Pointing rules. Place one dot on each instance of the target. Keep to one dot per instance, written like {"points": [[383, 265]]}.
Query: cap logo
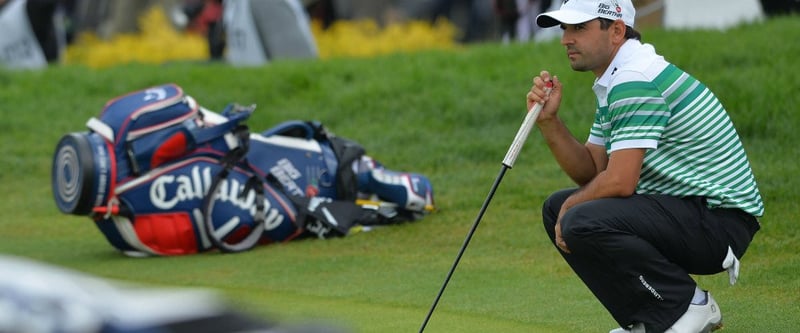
{"points": [[604, 10]]}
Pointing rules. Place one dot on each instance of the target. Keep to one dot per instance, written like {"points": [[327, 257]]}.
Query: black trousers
{"points": [[636, 253]]}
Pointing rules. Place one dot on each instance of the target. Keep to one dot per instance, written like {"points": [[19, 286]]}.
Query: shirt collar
{"points": [[623, 54]]}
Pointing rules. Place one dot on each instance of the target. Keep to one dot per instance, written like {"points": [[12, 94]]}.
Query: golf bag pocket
{"points": [[195, 205], [136, 123], [134, 134]]}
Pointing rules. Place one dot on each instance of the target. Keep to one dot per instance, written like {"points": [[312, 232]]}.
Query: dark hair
{"points": [[630, 32]]}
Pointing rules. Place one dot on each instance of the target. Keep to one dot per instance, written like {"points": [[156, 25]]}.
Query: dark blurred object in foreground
{"points": [[780, 7]]}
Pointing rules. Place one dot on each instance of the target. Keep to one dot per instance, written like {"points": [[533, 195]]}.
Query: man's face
{"points": [[588, 46]]}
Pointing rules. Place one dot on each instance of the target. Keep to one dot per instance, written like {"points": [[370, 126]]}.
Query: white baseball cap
{"points": [[579, 11]]}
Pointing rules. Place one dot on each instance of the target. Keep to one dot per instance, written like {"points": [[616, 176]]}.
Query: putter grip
{"points": [[524, 130]]}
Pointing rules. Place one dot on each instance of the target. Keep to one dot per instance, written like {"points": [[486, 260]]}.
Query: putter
{"points": [[508, 163]]}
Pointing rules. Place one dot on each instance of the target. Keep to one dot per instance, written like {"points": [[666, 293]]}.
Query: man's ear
{"points": [[618, 29]]}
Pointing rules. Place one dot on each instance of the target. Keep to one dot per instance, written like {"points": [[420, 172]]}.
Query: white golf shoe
{"points": [[699, 318], [636, 328]]}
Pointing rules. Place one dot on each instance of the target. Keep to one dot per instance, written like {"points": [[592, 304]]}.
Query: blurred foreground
{"points": [[40, 298]]}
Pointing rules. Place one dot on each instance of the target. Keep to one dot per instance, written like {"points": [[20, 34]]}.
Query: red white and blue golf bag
{"points": [[160, 175]]}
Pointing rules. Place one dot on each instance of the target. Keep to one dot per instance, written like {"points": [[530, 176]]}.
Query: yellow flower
{"points": [[158, 42], [363, 38]]}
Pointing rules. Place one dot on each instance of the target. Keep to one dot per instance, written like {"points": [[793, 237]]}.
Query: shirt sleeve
{"points": [[596, 132]]}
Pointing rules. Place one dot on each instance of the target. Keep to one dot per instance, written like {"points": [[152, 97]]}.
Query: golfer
{"points": [[665, 188]]}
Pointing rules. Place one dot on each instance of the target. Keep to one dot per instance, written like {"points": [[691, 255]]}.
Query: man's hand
{"points": [[538, 94], [560, 240]]}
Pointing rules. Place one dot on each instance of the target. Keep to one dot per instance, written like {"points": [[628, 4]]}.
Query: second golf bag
{"points": [[160, 175]]}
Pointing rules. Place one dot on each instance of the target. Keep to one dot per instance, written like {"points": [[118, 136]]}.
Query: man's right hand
{"points": [[538, 94]]}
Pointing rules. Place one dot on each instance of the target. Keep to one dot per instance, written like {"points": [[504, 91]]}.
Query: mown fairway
{"points": [[451, 116]]}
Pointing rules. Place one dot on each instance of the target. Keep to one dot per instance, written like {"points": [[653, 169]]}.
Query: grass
{"points": [[449, 115]]}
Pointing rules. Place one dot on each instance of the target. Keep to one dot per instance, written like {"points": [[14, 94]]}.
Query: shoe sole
{"points": [[711, 327]]}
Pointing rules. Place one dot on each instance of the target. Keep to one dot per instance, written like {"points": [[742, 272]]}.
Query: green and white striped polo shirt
{"points": [[692, 146]]}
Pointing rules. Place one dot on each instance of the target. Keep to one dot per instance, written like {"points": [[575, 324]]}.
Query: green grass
{"points": [[451, 116]]}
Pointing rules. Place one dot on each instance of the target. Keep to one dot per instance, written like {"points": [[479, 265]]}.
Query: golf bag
{"points": [[160, 175]]}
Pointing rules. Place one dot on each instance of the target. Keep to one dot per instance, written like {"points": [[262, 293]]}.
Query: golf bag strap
{"points": [[233, 115], [326, 217], [203, 135], [346, 151], [231, 159]]}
